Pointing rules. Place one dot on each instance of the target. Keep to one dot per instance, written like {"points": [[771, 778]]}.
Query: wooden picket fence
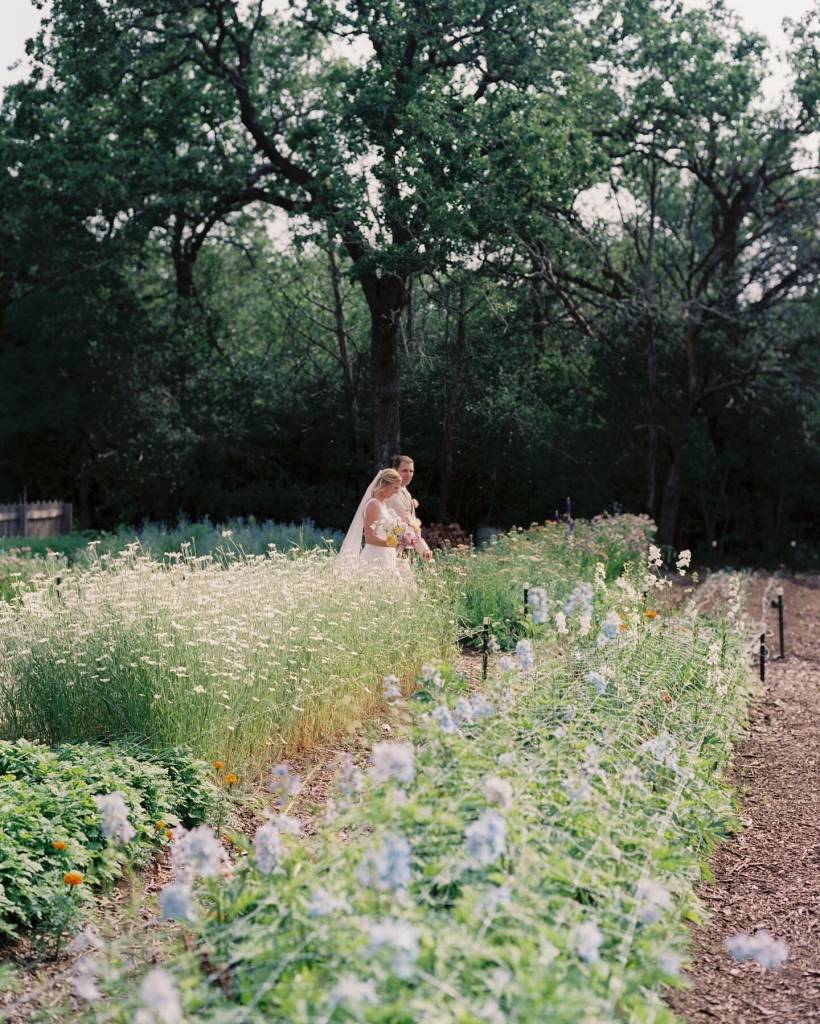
{"points": [[36, 518]]}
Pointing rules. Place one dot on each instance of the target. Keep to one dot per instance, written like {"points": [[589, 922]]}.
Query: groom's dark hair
{"points": [[397, 460]]}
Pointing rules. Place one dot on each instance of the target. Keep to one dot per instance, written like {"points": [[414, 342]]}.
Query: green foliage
{"points": [[46, 797], [594, 795], [551, 557], [165, 356]]}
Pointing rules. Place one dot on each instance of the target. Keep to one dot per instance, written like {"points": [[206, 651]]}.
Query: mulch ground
{"points": [[768, 875]]}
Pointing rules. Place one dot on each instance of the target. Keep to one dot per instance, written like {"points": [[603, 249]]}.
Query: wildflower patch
{"points": [[536, 859]]}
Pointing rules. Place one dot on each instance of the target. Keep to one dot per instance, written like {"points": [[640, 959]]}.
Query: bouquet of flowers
{"points": [[398, 534]]}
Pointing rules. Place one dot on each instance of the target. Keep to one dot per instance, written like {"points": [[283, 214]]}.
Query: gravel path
{"points": [[768, 876]]}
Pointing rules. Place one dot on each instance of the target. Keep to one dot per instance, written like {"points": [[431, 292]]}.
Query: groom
{"points": [[402, 503]]}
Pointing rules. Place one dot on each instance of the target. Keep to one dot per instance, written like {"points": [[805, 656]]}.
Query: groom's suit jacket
{"points": [[402, 504]]}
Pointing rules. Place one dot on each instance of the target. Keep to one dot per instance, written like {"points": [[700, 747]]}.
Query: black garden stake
{"points": [[762, 657], [526, 599], [778, 604], [485, 647]]}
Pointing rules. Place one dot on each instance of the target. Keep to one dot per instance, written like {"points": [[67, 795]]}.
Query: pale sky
{"points": [[19, 20]]}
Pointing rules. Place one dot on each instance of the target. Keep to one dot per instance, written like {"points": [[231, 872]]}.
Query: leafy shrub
{"points": [[549, 556], [47, 797]]}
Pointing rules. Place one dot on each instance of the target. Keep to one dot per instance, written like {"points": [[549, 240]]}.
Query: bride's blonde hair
{"points": [[385, 479]]}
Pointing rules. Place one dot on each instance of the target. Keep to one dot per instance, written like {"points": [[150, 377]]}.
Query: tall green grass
{"points": [[245, 657], [240, 659]]}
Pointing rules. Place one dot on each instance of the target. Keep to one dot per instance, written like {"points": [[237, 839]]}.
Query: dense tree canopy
{"points": [[551, 248]]}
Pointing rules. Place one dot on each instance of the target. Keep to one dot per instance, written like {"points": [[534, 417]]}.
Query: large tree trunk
{"points": [[341, 339], [648, 284], [452, 408], [672, 491], [386, 298]]}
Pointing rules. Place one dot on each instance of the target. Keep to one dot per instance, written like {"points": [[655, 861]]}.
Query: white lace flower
{"points": [[587, 941], [497, 791]]}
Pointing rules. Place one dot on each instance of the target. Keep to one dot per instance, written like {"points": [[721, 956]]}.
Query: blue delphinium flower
{"points": [[349, 780], [482, 708], [283, 784], [400, 938], [598, 681], [537, 600], [653, 899], [176, 902], [524, 655], [486, 839], [387, 867], [442, 717], [391, 688], [114, 817], [393, 761], [267, 845], [581, 597], [325, 904], [197, 852], [354, 993], [761, 947]]}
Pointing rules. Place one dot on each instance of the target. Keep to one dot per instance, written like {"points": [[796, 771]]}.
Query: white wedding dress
{"points": [[375, 560], [374, 557]]}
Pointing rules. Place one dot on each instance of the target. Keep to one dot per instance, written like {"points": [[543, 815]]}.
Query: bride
{"points": [[370, 523]]}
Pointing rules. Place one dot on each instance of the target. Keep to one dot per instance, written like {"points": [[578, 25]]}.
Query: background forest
{"points": [[247, 250]]}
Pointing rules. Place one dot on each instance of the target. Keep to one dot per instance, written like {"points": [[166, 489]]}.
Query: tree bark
{"points": [[670, 503], [648, 281], [341, 338], [452, 408], [386, 296]]}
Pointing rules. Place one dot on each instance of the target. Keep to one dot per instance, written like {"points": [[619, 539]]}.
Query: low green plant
{"points": [[549, 556], [50, 822]]}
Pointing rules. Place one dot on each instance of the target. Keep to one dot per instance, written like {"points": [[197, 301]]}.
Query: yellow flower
{"points": [[391, 541], [58, 844], [650, 613], [160, 825], [231, 779], [73, 878], [219, 765]]}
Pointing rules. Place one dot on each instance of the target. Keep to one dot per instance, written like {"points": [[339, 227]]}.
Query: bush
{"points": [[47, 798], [551, 557]]}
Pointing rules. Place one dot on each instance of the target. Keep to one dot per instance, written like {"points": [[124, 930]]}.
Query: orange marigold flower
{"points": [[73, 878], [623, 627], [58, 844], [160, 825], [650, 613], [231, 779], [219, 765], [169, 833]]}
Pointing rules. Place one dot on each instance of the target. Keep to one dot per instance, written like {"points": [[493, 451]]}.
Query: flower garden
{"points": [[521, 850]]}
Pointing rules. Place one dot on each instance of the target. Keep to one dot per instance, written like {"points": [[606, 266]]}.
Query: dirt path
{"points": [[768, 876]]}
